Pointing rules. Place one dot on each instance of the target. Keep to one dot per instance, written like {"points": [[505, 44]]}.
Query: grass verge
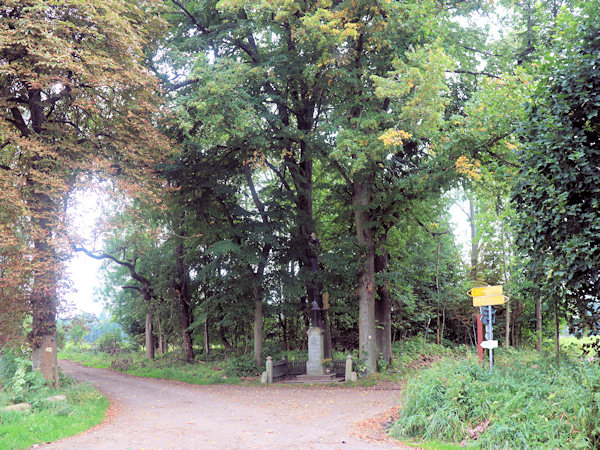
{"points": [[527, 402], [86, 357], [84, 408], [195, 374]]}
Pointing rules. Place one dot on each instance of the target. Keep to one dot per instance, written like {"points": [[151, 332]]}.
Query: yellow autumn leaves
{"points": [[469, 167], [392, 137]]}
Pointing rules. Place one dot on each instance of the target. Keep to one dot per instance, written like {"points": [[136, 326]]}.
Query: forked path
{"points": [[161, 414]]}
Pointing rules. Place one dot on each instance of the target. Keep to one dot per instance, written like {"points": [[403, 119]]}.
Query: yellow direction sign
{"points": [[487, 295], [486, 300], [485, 290]]}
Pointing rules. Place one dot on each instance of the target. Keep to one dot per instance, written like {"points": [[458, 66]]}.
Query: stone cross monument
{"points": [[314, 365]]}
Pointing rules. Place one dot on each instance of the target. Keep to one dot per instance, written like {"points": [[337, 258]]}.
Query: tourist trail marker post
{"points": [[486, 297]]}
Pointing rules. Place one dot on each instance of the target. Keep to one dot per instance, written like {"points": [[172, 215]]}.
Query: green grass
{"points": [[169, 366], [85, 356], [573, 345], [434, 445], [195, 374], [48, 422], [531, 402]]}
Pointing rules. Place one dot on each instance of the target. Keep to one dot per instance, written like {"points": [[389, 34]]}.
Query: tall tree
{"points": [[556, 196], [75, 99]]}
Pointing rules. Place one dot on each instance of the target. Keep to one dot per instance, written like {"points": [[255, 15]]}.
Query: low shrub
{"points": [[20, 382], [528, 401], [241, 366], [109, 342]]}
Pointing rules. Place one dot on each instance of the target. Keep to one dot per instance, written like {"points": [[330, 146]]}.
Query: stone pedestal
{"points": [[314, 365], [348, 372], [269, 367]]}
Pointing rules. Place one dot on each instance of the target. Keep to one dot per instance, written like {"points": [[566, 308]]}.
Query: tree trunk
{"points": [[383, 308], [224, 340], [160, 339], [206, 337], [517, 310], [507, 304], [538, 323], [437, 290], [258, 276], [149, 338], [184, 323], [366, 280], [44, 298], [258, 325], [44, 359], [474, 240], [183, 300], [556, 334], [163, 345]]}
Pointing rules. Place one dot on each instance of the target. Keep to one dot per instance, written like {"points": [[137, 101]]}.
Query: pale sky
{"points": [[84, 210], [84, 275]]}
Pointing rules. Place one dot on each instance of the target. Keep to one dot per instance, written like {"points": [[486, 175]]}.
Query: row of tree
{"points": [[301, 153]]}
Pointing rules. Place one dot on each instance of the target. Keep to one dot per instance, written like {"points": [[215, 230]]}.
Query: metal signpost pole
{"points": [[490, 336], [487, 297]]}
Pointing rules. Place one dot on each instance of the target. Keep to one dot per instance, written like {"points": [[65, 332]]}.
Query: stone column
{"points": [[314, 365], [269, 367], [348, 373]]}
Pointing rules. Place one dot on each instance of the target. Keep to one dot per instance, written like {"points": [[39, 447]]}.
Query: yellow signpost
{"points": [[485, 291], [487, 300], [487, 295]]}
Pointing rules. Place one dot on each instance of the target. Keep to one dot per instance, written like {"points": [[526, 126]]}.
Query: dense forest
{"points": [[256, 157]]}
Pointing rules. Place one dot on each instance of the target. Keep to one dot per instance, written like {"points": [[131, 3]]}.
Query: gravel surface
{"points": [[161, 414]]}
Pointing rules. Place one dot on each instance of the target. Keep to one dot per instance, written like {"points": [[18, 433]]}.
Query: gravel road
{"points": [[162, 414]]}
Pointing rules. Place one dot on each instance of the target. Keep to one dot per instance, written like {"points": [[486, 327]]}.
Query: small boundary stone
{"points": [[17, 407]]}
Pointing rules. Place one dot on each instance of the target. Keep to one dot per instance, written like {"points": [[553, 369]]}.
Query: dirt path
{"points": [[161, 414]]}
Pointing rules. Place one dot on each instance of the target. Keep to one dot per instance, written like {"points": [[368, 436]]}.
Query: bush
{"points": [[528, 401], [21, 383], [109, 342], [241, 366]]}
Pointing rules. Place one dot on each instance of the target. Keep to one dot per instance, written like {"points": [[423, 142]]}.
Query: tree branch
{"points": [[19, 122], [483, 52], [190, 16], [487, 148], [174, 87], [259, 205], [279, 175], [433, 233], [131, 266], [487, 74], [135, 288]]}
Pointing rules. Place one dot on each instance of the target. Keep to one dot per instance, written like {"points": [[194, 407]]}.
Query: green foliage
{"points": [[86, 356], [109, 342], [528, 400], [239, 366], [588, 347], [172, 367], [84, 408], [20, 383], [557, 193]]}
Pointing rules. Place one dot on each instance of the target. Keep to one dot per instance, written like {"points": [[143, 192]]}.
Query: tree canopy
{"points": [[267, 158]]}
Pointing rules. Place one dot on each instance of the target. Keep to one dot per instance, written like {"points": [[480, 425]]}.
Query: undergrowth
{"points": [[86, 356], [47, 420], [529, 400], [171, 367]]}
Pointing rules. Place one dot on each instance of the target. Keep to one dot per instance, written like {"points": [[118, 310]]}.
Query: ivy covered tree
{"points": [[559, 183]]}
